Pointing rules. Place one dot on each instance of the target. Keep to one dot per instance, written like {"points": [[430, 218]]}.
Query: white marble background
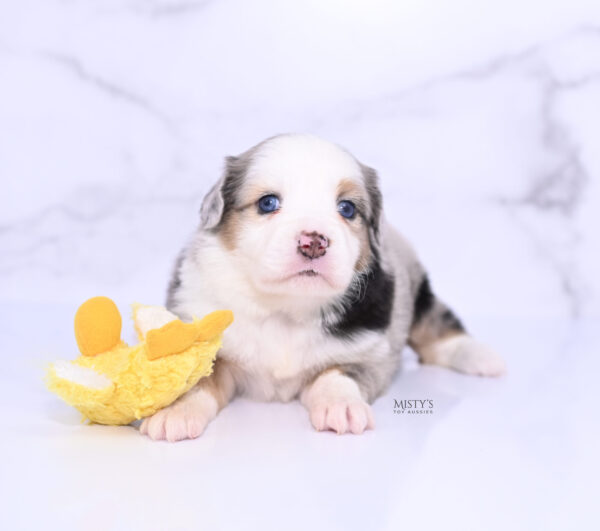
{"points": [[483, 119]]}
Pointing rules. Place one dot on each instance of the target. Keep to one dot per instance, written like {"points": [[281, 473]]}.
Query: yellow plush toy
{"points": [[113, 383]]}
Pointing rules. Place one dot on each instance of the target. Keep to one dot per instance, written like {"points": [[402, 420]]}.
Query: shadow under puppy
{"points": [[324, 292]]}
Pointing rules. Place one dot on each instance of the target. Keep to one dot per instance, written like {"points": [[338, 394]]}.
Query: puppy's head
{"points": [[299, 215]]}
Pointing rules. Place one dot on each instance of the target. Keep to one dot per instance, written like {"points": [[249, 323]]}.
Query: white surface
{"points": [[515, 453], [482, 119]]}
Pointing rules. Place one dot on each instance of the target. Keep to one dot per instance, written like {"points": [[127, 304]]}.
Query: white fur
{"points": [[185, 419], [334, 402], [277, 332], [465, 354], [277, 348], [273, 345], [305, 172]]}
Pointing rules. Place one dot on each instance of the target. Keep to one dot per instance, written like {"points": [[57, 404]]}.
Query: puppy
{"points": [[324, 292]]}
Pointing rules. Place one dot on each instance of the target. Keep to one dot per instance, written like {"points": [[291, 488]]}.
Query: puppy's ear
{"points": [[221, 198], [375, 205], [212, 207]]}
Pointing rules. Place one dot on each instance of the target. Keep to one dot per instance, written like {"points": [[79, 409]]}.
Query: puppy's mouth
{"points": [[308, 273]]}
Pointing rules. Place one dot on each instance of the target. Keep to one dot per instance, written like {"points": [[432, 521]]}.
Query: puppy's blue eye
{"points": [[268, 203], [347, 209]]}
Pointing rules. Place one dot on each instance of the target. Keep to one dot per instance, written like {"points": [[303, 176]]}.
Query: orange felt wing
{"points": [[214, 324], [177, 336]]}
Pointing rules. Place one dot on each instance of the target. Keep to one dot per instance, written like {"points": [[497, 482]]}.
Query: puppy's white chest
{"points": [[273, 346]]}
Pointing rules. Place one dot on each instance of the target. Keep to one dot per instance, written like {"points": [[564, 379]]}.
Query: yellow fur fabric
{"points": [[135, 381], [140, 386]]}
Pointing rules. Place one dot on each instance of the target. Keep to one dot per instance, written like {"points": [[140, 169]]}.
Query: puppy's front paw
{"points": [[182, 420], [334, 402], [342, 416]]}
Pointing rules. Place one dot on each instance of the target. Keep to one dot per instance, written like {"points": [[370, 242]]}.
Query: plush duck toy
{"points": [[113, 383]]}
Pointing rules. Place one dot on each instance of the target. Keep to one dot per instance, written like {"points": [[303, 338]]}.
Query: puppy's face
{"points": [[298, 214]]}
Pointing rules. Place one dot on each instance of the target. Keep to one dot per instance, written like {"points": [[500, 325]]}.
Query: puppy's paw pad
{"points": [[342, 416]]}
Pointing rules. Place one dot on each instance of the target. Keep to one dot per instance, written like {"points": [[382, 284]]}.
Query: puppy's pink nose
{"points": [[312, 244]]}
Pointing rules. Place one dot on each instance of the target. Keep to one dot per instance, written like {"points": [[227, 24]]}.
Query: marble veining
{"points": [[482, 119]]}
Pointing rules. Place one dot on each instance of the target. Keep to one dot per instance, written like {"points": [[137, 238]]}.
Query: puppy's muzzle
{"points": [[312, 244]]}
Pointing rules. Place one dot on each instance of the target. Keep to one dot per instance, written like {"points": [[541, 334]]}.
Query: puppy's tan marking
{"points": [[233, 220], [353, 191], [230, 229], [425, 337], [349, 189], [221, 383]]}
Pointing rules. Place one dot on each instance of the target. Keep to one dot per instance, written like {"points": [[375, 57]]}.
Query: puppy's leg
{"points": [[439, 338], [335, 402], [189, 415]]}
